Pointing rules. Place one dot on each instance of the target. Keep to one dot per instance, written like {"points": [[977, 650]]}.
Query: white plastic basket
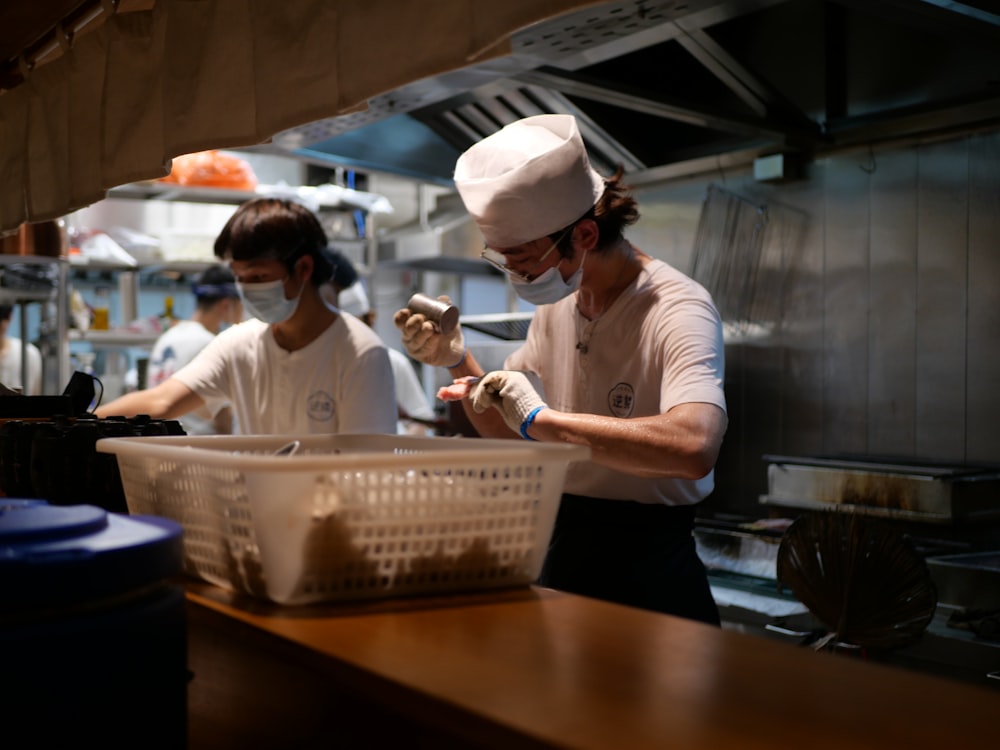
{"points": [[350, 516]]}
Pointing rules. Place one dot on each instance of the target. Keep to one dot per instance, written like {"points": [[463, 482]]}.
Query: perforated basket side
{"points": [[210, 503], [404, 531]]}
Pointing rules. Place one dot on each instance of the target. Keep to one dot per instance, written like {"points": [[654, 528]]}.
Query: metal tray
{"points": [[970, 580], [912, 491]]}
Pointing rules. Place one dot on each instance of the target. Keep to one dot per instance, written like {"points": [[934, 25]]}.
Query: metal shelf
{"points": [[165, 191], [326, 197], [16, 296], [152, 266], [24, 297], [114, 339]]}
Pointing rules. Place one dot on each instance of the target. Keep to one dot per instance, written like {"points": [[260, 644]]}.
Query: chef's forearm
{"points": [[683, 443]]}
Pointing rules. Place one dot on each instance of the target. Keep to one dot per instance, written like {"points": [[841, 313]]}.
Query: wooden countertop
{"points": [[538, 668]]}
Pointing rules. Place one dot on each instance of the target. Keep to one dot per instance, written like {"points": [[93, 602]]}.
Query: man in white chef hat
{"points": [[624, 354]]}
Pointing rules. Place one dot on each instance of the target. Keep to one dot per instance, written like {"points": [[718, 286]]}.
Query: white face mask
{"points": [[266, 301], [549, 287]]}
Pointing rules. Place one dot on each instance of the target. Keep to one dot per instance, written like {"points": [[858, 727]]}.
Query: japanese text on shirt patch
{"points": [[621, 399], [320, 406]]}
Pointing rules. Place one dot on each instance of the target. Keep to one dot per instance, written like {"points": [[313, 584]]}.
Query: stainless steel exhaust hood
{"points": [[659, 85]]}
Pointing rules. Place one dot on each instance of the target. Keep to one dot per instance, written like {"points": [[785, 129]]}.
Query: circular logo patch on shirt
{"points": [[320, 406], [621, 399]]}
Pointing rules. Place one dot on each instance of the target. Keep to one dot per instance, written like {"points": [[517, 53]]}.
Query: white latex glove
{"points": [[425, 342], [515, 394]]}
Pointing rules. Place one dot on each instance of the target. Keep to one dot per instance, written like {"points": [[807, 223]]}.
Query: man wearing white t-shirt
{"points": [[11, 361], [299, 367], [217, 304], [624, 355]]}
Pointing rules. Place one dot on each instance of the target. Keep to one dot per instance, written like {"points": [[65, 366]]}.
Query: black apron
{"points": [[637, 554]]}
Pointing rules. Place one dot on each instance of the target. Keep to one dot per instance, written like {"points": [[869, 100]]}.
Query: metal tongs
{"points": [[288, 449]]}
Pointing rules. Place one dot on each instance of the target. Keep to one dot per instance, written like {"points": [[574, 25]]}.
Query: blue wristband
{"points": [[529, 419], [465, 353]]}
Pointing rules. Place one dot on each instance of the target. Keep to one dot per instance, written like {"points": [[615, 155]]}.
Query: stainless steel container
{"points": [[443, 315]]}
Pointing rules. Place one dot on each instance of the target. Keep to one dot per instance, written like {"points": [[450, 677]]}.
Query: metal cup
{"points": [[442, 314]]}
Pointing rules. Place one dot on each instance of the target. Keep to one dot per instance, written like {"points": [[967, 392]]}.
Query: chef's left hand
{"points": [[517, 395]]}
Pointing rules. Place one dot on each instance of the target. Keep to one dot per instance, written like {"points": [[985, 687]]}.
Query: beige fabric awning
{"points": [[115, 104]]}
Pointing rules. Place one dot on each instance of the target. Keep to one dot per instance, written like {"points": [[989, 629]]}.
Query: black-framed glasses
{"points": [[499, 261]]}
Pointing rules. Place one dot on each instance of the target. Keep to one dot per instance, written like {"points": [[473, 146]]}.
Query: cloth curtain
{"points": [[133, 133], [86, 114], [48, 142], [13, 157], [208, 94], [190, 75]]}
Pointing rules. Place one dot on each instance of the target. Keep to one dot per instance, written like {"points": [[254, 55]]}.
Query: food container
{"points": [[444, 316], [93, 631], [350, 516]]}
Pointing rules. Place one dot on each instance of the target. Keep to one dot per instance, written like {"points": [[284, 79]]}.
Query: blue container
{"points": [[92, 632]]}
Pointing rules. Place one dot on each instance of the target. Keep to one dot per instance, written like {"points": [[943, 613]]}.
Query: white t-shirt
{"points": [[409, 394], [339, 383], [177, 346], [658, 345], [10, 366]]}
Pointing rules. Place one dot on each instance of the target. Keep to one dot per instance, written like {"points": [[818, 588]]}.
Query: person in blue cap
{"points": [[217, 305]]}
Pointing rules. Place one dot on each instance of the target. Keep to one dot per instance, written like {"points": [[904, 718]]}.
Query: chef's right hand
{"points": [[425, 342]]}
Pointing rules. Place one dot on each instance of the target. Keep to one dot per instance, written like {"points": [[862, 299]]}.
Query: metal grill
{"points": [[727, 257], [508, 327]]}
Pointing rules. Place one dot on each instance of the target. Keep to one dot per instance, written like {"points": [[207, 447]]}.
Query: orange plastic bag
{"points": [[212, 169]]}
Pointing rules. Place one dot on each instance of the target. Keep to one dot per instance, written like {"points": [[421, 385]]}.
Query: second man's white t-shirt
{"points": [[339, 383]]}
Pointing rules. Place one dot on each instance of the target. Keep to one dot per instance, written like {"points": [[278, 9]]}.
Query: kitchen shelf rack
{"points": [[324, 196], [21, 294], [114, 339]]}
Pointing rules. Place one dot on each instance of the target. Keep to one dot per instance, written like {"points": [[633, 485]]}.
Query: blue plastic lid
{"points": [[42, 522], [64, 555], [17, 503]]}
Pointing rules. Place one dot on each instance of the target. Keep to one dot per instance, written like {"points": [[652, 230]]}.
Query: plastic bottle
{"points": [[102, 304], [167, 318]]}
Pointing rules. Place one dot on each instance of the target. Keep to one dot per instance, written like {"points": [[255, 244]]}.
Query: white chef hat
{"points": [[528, 180], [354, 300]]}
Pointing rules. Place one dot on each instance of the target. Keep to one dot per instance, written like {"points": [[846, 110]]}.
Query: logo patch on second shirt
{"points": [[320, 406]]}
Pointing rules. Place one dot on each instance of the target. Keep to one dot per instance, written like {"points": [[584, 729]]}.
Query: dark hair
{"points": [[614, 210], [344, 272], [214, 284], [276, 229], [6, 311]]}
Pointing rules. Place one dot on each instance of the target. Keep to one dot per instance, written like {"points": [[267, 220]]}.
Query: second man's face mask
{"points": [[266, 301]]}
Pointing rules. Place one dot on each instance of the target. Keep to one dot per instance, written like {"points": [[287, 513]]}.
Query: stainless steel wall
{"points": [[883, 270]]}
